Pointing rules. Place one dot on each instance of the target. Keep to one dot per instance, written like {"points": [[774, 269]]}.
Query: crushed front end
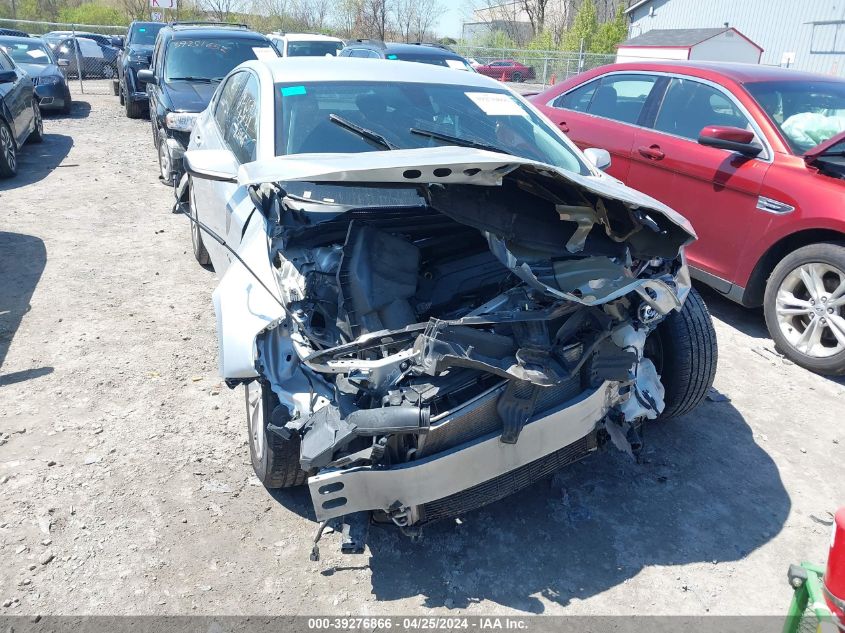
{"points": [[440, 356]]}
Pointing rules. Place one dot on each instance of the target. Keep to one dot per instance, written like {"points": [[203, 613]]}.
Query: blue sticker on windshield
{"points": [[292, 91], [392, 57], [143, 30]]}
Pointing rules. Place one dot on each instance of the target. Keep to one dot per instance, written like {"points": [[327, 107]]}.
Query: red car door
{"points": [[717, 190], [604, 113]]}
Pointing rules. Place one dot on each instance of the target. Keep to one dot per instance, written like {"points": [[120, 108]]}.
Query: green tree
{"points": [[542, 42], [496, 39], [585, 27], [611, 33], [92, 13]]}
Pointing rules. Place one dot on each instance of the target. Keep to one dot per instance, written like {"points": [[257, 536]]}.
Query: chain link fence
{"points": [[549, 66], [86, 53]]}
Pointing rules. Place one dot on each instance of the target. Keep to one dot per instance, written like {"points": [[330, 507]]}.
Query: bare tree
{"points": [[349, 17], [375, 18], [311, 15], [221, 9]]}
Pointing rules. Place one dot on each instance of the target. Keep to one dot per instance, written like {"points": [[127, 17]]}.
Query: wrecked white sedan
{"points": [[431, 297]]}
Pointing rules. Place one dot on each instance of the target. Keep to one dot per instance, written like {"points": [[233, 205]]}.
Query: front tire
{"points": [[8, 152], [804, 307], [275, 460], [683, 348], [200, 252], [165, 164], [134, 109], [37, 134]]}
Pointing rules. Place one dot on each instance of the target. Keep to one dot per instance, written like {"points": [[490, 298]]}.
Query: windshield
{"points": [[413, 115], [144, 34], [313, 48], [807, 113], [211, 59], [34, 52]]}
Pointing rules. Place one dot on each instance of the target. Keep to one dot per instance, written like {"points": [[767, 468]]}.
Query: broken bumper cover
{"points": [[404, 487]]}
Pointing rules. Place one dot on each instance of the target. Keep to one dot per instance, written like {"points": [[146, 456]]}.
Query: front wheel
{"points": [[8, 152], [804, 307], [37, 134], [275, 460], [200, 252], [683, 349]]}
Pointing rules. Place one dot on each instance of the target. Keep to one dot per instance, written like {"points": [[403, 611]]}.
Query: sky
{"points": [[451, 21]]}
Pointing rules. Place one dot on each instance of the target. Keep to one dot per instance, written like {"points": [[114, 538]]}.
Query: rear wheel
{"points": [[8, 152], [275, 460], [115, 87], [683, 349], [516, 77], [804, 306]]}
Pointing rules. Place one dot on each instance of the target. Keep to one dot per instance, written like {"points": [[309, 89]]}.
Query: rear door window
{"points": [[617, 97]]}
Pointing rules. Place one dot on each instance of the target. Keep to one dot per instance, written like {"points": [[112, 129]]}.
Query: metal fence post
{"points": [[78, 61], [545, 70]]}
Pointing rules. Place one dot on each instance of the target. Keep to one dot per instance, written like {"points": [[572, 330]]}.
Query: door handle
{"points": [[652, 152], [563, 126]]}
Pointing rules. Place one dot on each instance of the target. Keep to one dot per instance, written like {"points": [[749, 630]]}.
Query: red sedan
{"points": [[506, 70], [754, 157]]}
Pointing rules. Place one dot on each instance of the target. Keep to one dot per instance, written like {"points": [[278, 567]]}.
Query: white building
{"points": [[719, 45]]}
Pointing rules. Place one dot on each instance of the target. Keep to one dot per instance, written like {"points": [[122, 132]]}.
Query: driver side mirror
{"points": [[731, 138], [146, 76], [211, 164], [117, 41], [8, 76], [598, 157], [63, 62]]}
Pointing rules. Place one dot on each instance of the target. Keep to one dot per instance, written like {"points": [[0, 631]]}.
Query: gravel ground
{"points": [[125, 483]]}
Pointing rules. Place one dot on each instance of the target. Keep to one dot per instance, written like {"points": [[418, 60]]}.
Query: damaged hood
{"points": [[447, 166]]}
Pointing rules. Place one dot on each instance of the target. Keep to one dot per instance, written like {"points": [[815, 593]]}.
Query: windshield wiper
{"points": [[457, 140], [199, 79], [368, 135]]}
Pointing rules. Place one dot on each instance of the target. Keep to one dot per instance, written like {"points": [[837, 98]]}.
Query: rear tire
{"points": [[516, 77], [683, 348], [115, 87], [275, 460], [790, 307]]}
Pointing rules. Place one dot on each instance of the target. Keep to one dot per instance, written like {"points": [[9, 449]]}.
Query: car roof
{"points": [[320, 69], [212, 32], [416, 49], [740, 73], [16, 39], [306, 37]]}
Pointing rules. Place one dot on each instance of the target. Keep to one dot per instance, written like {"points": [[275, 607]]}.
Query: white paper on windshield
{"points": [[495, 104], [36, 53], [264, 53], [89, 48], [456, 63]]}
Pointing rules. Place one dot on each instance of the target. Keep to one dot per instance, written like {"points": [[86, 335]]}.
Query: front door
{"points": [[715, 189]]}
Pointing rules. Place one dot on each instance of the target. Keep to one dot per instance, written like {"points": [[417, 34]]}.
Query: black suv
{"points": [[189, 60], [425, 53], [137, 53]]}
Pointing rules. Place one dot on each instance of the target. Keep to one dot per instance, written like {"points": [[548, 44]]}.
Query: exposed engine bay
{"points": [[437, 357]]}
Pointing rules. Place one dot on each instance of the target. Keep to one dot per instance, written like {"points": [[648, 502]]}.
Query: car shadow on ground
{"points": [[78, 110], [37, 160], [22, 260], [705, 492]]}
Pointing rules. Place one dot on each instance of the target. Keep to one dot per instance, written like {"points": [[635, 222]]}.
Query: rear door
{"points": [[605, 113], [716, 189]]}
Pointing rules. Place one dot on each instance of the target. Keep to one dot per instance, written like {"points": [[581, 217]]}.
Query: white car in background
{"points": [[306, 44], [431, 297]]}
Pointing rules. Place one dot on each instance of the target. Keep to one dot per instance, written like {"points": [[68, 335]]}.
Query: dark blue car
{"points": [[20, 116], [35, 57]]}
